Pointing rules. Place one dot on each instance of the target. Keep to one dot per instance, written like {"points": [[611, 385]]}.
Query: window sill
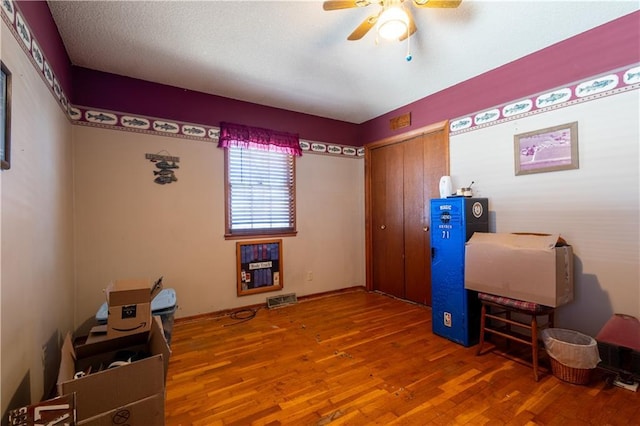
{"points": [[259, 234]]}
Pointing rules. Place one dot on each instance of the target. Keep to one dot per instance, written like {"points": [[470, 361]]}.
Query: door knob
{"points": [[425, 229], [383, 227]]}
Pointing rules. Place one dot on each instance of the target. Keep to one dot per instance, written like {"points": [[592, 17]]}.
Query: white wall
{"points": [[127, 226], [595, 208], [36, 223]]}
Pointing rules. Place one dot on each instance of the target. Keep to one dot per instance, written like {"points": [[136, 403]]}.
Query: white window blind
{"points": [[261, 191]]}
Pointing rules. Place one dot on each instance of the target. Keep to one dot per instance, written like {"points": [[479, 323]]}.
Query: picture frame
{"points": [[259, 266], [546, 150], [5, 117]]}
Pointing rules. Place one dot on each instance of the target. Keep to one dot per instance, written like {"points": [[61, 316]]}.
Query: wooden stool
{"points": [[504, 308]]}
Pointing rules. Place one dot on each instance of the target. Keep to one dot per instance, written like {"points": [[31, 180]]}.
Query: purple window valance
{"points": [[258, 138]]}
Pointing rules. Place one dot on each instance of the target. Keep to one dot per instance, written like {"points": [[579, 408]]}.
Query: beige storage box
{"points": [[533, 268]]}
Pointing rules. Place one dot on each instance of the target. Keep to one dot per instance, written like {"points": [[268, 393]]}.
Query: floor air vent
{"points": [[282, 300]]}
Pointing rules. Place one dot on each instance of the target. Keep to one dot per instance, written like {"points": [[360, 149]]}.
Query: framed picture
{"points": [[5, 118], [259, 266], [547, 150]]}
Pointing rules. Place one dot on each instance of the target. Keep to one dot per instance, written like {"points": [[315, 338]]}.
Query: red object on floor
{"points": [[621, 330]]}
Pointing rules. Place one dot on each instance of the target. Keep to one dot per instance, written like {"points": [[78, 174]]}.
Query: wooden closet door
{"points": [[387, 220], [425, 183], [416, 232], [402, 175]]}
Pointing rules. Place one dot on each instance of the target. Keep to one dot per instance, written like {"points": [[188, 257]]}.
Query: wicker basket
{"points": [[577, 376]]}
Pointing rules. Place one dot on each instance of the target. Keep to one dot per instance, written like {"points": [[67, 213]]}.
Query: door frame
{"points": [[442, 126]]}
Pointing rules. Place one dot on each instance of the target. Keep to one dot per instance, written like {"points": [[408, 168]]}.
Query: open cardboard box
{"points": [[533, 268], [129, 305], [133, 392], [144, 412], [57, 411]]}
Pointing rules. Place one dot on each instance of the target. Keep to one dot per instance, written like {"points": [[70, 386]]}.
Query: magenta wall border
{"points": [[113, 120], [607, 84], [118, 93], [56, 77], [44, 30], [618, 81], [608, 47], [612, 46]]}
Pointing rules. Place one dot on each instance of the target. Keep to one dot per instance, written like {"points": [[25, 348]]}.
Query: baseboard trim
{"points": [[227, 312]]}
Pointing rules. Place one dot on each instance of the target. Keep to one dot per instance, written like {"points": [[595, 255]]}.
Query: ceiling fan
{"points": [[394, 20]]}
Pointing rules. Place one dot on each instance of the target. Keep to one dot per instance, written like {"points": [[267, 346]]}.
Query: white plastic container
{"points": [[445, 186]]}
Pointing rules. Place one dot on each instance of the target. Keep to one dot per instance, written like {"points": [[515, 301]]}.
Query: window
{"points": [[259, 188], [260, 192]]}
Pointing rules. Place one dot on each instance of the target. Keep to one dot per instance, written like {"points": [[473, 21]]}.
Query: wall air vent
{"points": [[281, 300]]}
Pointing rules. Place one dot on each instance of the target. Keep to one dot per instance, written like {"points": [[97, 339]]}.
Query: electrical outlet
{"points": [[309, 276], [447, 319]]}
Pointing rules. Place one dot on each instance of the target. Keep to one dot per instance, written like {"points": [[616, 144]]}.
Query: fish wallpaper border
{"points": [[595, 87], [607, 84]]}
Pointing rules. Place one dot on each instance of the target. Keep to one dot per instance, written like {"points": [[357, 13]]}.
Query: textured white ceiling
{"points": [[294, 55]]}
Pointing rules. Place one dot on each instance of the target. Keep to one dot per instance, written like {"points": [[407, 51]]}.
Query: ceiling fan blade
{"points": [[363, 28], [345, 4], [412, 28], [437, 3]]}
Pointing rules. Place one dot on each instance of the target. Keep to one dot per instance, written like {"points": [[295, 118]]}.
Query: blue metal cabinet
{"points": [[455, 310]]}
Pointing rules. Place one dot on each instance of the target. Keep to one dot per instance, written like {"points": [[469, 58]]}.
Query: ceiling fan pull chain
{"points": [[408, 57]]}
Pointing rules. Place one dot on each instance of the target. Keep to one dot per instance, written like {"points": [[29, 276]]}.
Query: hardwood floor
{"points": [[363, 358]]}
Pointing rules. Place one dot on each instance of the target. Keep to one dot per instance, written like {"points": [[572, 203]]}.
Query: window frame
{"points": [[5, 116], [257, 232]]}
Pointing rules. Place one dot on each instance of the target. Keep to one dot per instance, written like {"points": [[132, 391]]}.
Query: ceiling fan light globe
{"points": [[393, 23]]}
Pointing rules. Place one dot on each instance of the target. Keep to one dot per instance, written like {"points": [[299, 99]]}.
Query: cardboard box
{"points": [[524, 267], [144, 412], [56, 411], [129, 306], [137, 387]]}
